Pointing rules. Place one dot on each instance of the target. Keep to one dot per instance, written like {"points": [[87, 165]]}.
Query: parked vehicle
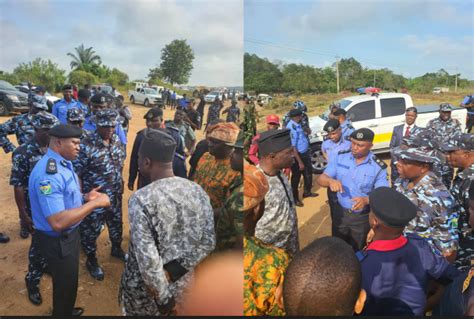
{"points": [[107, 89], [264, 99], [51, 98], [146, 96], [439, 90], [209, 98], [379, 112], [11, 99]]}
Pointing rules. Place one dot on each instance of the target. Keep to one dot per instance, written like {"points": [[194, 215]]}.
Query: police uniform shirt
{"points": [[347, 129], [53, 187], [357, 180], [83, 107], [395, 275], [332, 149], [298, 137], [60, 109]]}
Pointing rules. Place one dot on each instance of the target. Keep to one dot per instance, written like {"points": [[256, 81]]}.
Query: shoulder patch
{"points": [[344, 151], [45, 187], [379, 162], [51, 166]]}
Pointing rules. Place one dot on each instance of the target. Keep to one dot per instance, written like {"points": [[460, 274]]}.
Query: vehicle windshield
{"points": [[214, 93], [106, 89], [7, 86], [343, 103], [150, 91]]}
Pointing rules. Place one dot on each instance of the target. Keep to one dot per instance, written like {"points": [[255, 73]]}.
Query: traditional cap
{"points": [[65, 131], [106, 117], [295, 112], [381, 202], [273, 141], [75, 115], [417, 155], [339, 111], [44, 119], [99, 98], [459, 142], [83, 94], [445, 107], [67, 87], [153, 113], [331, 125], [158, 145], [239, 143], [226, 132], [272, 119], [363, 134], [255, 187]]}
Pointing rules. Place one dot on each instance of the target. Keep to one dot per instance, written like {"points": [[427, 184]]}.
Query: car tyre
{"points": [[132, 100], [146, 102], [318, 162], [3, 109]]}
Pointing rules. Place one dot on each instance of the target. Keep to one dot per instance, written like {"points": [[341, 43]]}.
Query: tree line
{"points": [[263, 76]]}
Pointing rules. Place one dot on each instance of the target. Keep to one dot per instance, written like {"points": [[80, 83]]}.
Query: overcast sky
{"points": [[128, 35], [410, 37]]}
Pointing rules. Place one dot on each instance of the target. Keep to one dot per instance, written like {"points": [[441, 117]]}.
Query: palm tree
{"points": [[86, 59]]}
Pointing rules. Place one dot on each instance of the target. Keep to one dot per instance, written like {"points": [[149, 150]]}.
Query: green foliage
{"points": [[177, 62], [117, 78], [87, 60], [9, 77], [81, 78], [261, 75], [155, 74], [41, 72]]}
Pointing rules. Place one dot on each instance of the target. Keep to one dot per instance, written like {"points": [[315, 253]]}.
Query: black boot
{"points": [[93, 267], [78, 311], [118, 252], [34, 294], [4, 238]]}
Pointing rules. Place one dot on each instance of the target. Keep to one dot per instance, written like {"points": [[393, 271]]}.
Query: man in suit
{"points": [[399, 132]]}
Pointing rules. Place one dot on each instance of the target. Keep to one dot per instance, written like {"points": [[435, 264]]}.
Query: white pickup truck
{"points": [[144, 95], [381, 113]]}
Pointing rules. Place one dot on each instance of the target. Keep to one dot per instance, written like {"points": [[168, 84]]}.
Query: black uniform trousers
{"points": [[62, 256], [307, 174], [350, 227]]}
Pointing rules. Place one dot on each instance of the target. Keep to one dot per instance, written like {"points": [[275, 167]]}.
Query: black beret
{"points": [[65, 131], [363, 134], [273, 141], [339, 111], [99, 98], [295, 112], [331, 125], [158, 145], [153, 113], [397, 215], [67, 87]]}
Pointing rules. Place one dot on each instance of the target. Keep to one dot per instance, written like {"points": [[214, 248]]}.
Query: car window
{"points": [[392, 107], [362, 111], [7, 86]]}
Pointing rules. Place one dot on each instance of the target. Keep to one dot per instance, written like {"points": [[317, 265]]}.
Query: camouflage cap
{"points": [[459, 142], [44, 119], [75, 115], [106, 117], [99, 98], [39, 102], [445, 107], [255, 186], [417, 155]]}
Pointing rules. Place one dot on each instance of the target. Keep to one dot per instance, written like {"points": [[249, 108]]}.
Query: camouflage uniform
{"points": [[443, 132], [230, 222], [185, 131], [99, 164], [279, 223], [249, 126], [170, 219], [233, 114], [19, 125], [438, 212], [213, 113], [460, 192]]}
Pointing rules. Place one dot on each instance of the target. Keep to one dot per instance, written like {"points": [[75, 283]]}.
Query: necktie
{"points": [[407, 132]]}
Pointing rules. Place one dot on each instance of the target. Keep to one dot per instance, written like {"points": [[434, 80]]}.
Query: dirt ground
{"points": [[99, 298]]}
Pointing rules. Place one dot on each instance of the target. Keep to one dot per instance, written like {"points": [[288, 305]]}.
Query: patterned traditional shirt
{"points": [[170, 219], [437, 215], [216, 177], [279, 224], [264, 271]]}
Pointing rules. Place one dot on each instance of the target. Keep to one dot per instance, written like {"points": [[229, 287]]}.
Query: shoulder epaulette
{"points": [[344, 151], [51, 166], [379, 162]]}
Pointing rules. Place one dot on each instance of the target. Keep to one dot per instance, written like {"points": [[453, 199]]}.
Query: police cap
{"points": [[99, 98], [445, 107], [363, 134], [67, 87], [75, 115], [459, 142], [274, 141], [153, 113], [418, 155], [391, 207], [295, 112], [331, 125], [44, 119], [65, 131], [158, 145], [339, 111]]}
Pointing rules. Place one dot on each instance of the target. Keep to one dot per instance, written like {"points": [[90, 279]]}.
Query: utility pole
{"points": [[456, 81], [337, 73], [374, 77]]}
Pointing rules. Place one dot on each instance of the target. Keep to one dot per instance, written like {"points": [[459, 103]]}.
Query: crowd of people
{"points": [[401, 244]]}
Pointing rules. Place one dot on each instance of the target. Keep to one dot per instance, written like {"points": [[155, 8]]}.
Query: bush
{"points": [[81, 78]]}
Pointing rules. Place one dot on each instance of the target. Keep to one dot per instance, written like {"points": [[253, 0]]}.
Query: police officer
{"points": [[60, 107], [460, 155], [346, 124], [24, 159], [83, 99], [21, 125], [41, 91], [445, 128], [353, 175], [76, 117], [57, 209], [100, 163], [302, 155]]}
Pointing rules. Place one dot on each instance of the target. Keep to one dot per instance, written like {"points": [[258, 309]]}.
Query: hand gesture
{"points": [[92, 194], [360, 202], [335, 186]]}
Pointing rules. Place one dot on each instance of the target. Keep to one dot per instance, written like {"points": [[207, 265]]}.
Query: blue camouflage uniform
{"points": [[99, 164], [90, 126], [233, 113], [60, 109], [357, 180]]}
